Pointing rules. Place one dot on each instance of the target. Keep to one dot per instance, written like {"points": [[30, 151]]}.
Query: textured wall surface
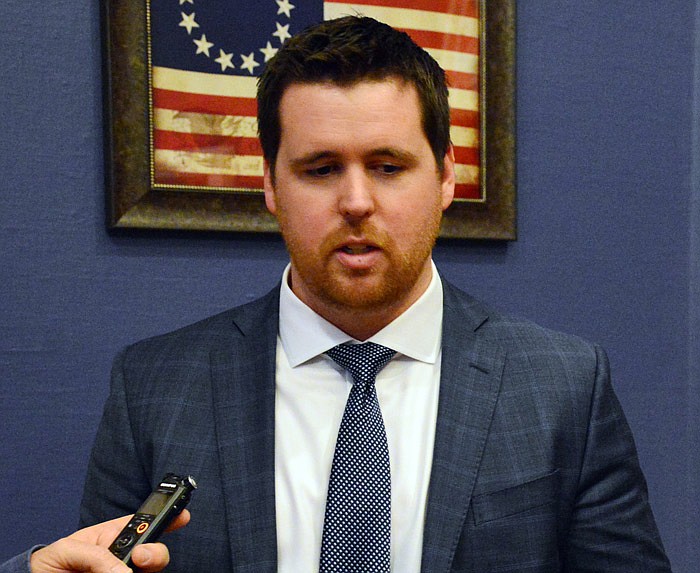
{"points": [[608, 248]]}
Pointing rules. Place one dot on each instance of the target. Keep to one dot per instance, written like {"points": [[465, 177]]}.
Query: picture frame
{"points": [[135, 199]]}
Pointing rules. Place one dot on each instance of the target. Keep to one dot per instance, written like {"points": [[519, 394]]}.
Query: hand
{"points": [[86, 551]]}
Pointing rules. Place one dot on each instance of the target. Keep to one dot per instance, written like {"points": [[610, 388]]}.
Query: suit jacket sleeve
{"points": [[612, 527], [18, 564]]}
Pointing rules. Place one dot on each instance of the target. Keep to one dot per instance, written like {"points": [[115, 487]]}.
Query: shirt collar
{"points": [[304, 334]]}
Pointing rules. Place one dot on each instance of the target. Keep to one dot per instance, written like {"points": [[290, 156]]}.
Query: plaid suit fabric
{"points": [[534, 466]]}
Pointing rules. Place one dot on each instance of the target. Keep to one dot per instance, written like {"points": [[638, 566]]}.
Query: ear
{"points": [[269, 188], [448, 178]]}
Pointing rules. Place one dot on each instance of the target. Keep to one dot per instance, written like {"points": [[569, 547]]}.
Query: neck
{"points": [[363, 319], [360, 324]]}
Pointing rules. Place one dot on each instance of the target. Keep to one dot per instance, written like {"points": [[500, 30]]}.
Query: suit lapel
{"points": [[469, 386], [243, 380]]}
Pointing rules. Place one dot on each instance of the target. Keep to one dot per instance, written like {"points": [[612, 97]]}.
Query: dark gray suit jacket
{"points": [[534, 467]]}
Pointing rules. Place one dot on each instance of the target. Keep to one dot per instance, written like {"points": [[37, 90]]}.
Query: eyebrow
{"points": [[399, 154], [313, 157]]}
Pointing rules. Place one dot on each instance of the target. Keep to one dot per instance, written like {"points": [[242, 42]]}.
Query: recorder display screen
{"points": [[155, 502]]}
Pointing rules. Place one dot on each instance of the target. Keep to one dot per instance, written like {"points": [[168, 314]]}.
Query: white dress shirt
{"points": [[310, 399]]}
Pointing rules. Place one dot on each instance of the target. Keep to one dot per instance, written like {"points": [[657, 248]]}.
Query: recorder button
{"points": [[124, 541], [141, 528]]}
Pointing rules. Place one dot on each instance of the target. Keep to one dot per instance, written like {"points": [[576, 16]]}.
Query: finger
{"points": [[150, 557], [180, 521], [102, 533], [68, 555]]}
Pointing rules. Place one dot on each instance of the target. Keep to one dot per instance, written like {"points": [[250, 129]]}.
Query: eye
{"points": [[321, 171], [388, 168]]}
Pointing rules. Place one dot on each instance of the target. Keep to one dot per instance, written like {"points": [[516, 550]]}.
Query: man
{"points": [[86, 551], [507, 449]]}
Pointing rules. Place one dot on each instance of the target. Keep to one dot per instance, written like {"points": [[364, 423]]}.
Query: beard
{"points": [[389, 285]]}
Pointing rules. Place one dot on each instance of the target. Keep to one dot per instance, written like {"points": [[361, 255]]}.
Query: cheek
{"points": [[413, 214], [302, 228]]}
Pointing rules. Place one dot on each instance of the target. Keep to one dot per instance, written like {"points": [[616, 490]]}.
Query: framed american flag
{"points": [[180, 129]]}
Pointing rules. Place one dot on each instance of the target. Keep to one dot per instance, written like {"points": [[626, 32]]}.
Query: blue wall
{"points": [[609, 241]]}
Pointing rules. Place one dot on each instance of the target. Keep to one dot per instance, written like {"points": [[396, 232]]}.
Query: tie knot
{"points": [[363, 361]]}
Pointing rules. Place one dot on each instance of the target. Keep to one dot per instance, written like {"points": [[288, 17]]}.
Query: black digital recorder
{"points": [[155, 514]]}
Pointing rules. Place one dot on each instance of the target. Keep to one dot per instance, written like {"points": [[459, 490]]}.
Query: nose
{"points": [[356, 198]]}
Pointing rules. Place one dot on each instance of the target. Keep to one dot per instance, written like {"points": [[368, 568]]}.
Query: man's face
{"points": [[358, 195]]}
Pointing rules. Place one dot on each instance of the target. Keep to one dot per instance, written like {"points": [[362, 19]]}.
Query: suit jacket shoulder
{"points": [[514, 333], [536, 359], [260, 315]]}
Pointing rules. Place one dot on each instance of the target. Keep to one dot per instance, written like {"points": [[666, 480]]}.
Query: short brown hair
{"points": [[345, 51]]}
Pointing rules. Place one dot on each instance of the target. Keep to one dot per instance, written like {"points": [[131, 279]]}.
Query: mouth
{"points": [[357, 249], [358, 255]]}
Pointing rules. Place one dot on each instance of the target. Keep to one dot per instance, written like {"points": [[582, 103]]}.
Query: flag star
{"points": [[183, 1], [203, 45], [268, 51], [282, 32], [224, 60], [188, 22], [249, 62], [285, 8]]}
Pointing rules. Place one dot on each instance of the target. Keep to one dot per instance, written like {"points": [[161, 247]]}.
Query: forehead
{"points": [[368, 109]]}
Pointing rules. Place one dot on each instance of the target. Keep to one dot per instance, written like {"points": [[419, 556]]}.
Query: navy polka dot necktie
{"points": [[357, 524]]}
